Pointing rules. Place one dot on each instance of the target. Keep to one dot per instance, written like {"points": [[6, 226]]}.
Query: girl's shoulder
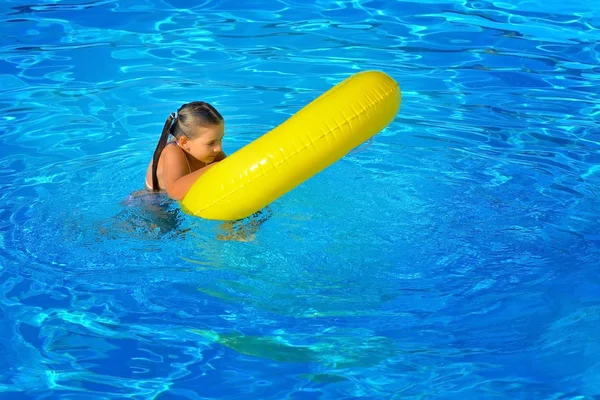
{"points": [[174, 158], [172, 148]]}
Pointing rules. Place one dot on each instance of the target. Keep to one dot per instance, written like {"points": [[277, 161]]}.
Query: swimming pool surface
{"points": [[457, 257]]}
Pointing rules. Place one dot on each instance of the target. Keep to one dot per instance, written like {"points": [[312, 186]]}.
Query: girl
{"points": [[198, 129]]}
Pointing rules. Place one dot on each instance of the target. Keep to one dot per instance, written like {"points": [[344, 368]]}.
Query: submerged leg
{"points": [[244, 230]]}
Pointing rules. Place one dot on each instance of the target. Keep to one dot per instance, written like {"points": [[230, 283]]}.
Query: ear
{"points": [[183, 142]]}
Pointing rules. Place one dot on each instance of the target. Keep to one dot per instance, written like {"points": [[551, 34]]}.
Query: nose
{"points": [[217, 148]]}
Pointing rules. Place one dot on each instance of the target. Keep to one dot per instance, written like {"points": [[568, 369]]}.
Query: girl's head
{"points": [[198, 128]]}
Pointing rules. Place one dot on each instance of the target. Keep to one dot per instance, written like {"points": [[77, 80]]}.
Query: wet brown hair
{"points": [[189, 116]]}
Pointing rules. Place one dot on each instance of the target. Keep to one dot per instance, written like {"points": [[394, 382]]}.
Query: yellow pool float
{"points": [[309, 141]]}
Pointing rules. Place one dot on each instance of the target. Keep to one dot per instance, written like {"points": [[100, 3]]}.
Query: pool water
{"points": [[457, 256]]}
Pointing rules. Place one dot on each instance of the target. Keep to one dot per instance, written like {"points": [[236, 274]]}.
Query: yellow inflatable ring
{"points": [[309, 141]]}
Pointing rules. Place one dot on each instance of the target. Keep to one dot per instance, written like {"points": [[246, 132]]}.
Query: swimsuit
{"points": [[149, 186]]}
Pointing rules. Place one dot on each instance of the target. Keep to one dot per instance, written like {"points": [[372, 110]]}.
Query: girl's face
{"points": [[207, 143]]}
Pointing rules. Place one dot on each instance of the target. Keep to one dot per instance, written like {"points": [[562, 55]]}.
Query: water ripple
{"points": [[454, 257]]}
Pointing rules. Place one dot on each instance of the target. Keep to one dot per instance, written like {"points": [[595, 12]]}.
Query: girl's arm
{"points": [[175, 173]]}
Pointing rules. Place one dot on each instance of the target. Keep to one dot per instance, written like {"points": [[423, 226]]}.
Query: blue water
{"points": [[456, 257]]}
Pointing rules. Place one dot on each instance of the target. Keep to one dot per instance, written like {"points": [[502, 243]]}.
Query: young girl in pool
{"points": [[198, 130]]}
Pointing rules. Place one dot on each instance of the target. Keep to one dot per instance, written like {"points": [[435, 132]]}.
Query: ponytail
{"points": [[162, 142]]}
